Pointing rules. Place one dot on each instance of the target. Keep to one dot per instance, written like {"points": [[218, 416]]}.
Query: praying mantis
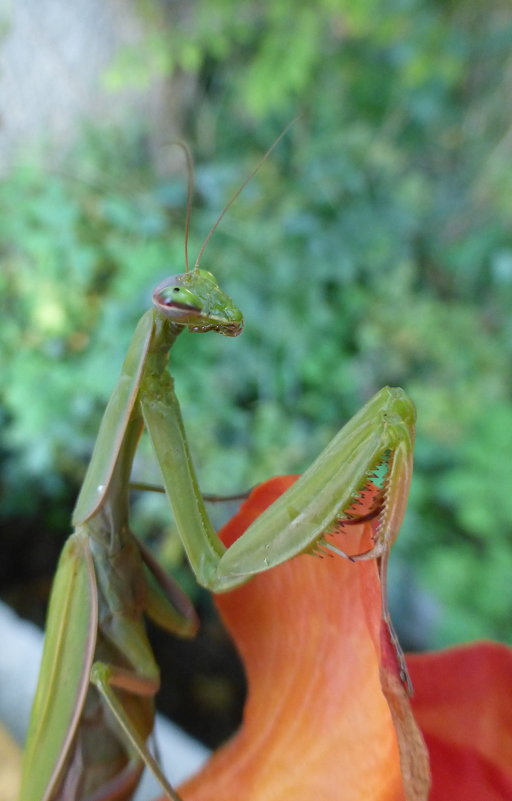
{"points": [[93, 711]]}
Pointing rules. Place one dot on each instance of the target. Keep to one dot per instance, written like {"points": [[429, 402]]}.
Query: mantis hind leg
{"points": [[129, 688], [109, 679]]}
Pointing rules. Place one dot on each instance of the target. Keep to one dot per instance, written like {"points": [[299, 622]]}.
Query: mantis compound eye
{"points": [[177, 296]]}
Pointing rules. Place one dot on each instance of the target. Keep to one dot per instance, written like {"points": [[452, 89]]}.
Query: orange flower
{"points": [[317, 725], [327, 717]]}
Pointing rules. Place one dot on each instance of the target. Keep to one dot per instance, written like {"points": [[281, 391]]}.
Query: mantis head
{"points": [[194, 299]]}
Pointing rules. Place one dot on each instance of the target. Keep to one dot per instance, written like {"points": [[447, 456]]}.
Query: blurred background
{"points": [[373, 247]]}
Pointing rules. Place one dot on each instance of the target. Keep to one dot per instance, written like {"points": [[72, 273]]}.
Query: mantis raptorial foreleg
{"points": [[93, 713], [382, 430]]}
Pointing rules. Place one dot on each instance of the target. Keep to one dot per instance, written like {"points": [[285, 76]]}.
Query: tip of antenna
{"points": [[243, 185]]}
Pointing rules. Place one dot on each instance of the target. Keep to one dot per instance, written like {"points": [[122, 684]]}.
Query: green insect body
{"points": [[94, 708]]}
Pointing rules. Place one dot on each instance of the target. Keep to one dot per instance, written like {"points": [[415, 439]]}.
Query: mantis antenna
{"points": [[190, 192], [238, 191]]}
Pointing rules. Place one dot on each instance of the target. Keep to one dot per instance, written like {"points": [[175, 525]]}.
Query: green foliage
{"points": [[373, 247]]}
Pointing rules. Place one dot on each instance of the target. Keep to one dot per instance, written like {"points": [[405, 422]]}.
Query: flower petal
{"points": [[462, 703], [316, 723]]}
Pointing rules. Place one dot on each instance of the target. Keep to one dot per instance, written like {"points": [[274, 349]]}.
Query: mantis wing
{"points": [[114, 424], [65, 669]]}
